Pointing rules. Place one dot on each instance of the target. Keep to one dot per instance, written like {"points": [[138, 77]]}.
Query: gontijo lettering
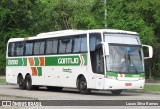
{"points": [[68, 61]]}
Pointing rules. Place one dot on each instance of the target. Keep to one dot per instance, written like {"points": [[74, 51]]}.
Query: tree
{"points": [[24, 18]]}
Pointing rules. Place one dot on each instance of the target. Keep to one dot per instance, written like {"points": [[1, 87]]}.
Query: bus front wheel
{"points": [[82, 86], [116, 92]]}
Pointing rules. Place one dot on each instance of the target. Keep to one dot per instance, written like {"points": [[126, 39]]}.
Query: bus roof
{"points": [[70, 32]]}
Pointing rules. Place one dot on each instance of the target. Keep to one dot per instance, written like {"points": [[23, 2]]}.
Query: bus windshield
{"points": [[125, 58]]}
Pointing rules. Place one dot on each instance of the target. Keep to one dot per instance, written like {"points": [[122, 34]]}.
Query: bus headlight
{"points": [[141, 78]]}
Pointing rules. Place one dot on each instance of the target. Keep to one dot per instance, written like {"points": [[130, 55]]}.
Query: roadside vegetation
{"points": [[152, 88], [25, 18], [2, 80]]}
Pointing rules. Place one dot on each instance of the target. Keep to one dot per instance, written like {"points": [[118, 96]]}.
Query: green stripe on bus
{"points": [[24, 61], [36, 61], [85, 59], [39, 71], [51, 61], [126, 75], [14, 62], [62, 61], [112, 74]]}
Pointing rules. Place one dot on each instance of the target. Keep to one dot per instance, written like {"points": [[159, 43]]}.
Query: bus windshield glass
{"points": [[125, 58]]}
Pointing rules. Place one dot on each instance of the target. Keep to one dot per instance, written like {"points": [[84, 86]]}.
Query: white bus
{"points": [[102, 59]]}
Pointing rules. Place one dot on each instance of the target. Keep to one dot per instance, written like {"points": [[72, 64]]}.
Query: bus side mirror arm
{"points": [[106, 48], [150, 49]]}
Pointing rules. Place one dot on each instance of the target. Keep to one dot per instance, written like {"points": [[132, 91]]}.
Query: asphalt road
{"points": [[12, 92]]}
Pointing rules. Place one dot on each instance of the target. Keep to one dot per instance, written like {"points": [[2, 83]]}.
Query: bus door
{"points": [[99, 67], [97, 60]]}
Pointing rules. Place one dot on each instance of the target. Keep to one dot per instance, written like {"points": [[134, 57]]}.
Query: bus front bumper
{"points": [[114, 84]]}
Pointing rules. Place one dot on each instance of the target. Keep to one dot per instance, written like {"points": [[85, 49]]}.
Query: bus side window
{"points": [[62, 46], [55, 46], [83, 43], [36, 48], [76, 46], [42, 47], [29, 48], [65, 45], [19, 49], [51, 46], [11, 49], [39, 47], [80, 44], [69, 46]]}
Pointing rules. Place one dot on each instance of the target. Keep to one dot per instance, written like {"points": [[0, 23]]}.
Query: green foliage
{"points": [[152, 88], [142, 16], [134, 15], [2, 81], [23, 18]]}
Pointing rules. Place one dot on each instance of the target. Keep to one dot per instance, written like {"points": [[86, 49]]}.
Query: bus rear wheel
{"points": [[116, 92], [28, 82], [21, 82], [82, 86]]}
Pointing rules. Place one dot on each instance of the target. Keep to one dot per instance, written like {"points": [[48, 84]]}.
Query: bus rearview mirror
{"points": [[149, 50]]}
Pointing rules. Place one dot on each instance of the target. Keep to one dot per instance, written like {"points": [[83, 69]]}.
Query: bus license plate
{"points": [[128, 84]]}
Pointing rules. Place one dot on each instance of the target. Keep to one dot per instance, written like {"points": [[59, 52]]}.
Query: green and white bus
{"points": [[101, 59]]}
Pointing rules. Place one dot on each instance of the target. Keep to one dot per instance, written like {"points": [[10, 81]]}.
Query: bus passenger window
{"points": [[19, 49], [76, 47], [54, 46], [29, 49], [80, 44], [42, 47], [49, 47], [62, 46], [36, 48], [69, 47], [11, 49], [84, 44], [39, 48]]}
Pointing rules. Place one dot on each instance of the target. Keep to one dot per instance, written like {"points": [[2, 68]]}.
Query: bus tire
{"points": [[28, 82], [82, 86], [116, 92], [21, 82], [52, 88]]}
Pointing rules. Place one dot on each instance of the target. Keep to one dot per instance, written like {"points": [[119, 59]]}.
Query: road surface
{"points": [[12, 92]]}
